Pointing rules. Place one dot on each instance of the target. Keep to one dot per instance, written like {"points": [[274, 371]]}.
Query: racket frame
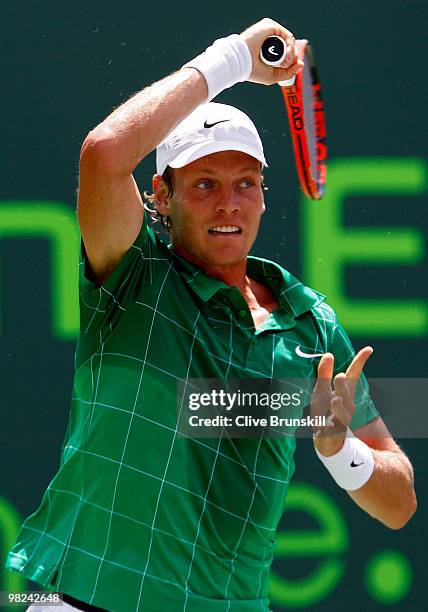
{"points": [[313, 184]]}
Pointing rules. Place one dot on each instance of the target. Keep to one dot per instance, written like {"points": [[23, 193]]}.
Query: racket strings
{"points": [[309, 113], [305, 110]]}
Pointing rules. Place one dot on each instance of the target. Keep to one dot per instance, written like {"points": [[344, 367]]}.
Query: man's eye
{"points": [[246, 183], [204, 184]]}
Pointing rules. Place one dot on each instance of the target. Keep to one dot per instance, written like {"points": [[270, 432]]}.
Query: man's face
{"points": [[215, 209]]}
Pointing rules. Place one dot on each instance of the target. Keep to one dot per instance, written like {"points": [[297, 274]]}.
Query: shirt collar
{"points": [[295, 297], [292, 295], [204, 285]]}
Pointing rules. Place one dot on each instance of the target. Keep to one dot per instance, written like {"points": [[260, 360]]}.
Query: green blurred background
{"points": [[64, 67]]}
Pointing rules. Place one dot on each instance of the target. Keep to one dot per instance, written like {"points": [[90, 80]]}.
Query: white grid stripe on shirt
{"points": [[186, 586], [167, 465], [127, 436]]}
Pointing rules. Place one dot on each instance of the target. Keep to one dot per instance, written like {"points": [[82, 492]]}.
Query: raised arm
{"points": [[110, 208]]}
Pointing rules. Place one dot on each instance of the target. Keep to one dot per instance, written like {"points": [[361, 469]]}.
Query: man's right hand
{"points": [[255, 36]]}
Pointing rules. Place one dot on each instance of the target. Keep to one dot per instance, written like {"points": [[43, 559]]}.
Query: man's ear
{"points": [[264, 188], [160, 191]]}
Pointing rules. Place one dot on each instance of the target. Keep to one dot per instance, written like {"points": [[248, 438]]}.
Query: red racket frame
{"points": [[313, 186]]}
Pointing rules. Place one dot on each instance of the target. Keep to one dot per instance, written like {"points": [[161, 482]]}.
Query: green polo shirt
{"points": [[139, 517]]}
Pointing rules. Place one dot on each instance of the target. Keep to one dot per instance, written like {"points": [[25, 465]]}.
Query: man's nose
{"points": [[228, 201]]}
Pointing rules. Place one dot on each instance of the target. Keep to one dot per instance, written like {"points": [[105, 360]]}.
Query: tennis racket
{"points": [[305, 110]]}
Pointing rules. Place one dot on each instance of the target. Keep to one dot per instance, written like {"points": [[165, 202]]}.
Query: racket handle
{"points": [[273, 52], [287, 82]]}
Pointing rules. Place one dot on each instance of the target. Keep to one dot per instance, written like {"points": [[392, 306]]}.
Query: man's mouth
{"points": [[225, 229]]}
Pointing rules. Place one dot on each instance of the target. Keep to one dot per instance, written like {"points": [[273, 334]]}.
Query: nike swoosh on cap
{"points": [[209, 125], [306, 355]]}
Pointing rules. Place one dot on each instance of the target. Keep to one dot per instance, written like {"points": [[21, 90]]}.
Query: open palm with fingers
{"points": [[335, 400]]}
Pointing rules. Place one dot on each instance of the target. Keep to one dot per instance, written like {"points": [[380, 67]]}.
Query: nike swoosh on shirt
{"points": [[307, 355], [209, 125]]}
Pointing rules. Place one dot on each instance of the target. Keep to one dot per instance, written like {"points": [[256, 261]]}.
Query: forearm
{"points": [[136, 127], [367, 463], [388, 495]]}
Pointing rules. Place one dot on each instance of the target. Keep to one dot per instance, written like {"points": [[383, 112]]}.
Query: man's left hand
{"points": [[337, 403]]}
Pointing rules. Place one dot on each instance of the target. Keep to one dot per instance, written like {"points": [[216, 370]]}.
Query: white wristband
{"points": [[353, 465], [226, 62]]}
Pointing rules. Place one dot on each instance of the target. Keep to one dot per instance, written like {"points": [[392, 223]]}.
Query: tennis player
{"points": [[139, 517]]}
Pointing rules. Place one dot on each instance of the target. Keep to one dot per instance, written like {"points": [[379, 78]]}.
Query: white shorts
{"points": [[63, 607]]}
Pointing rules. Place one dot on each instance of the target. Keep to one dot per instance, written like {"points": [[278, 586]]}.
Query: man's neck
{"points": [[258, 296], [234, 275]]}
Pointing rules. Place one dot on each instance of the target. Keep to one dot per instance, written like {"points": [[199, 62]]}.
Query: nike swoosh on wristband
{"points": [[306, 355], [353, 464], [209, 125]]}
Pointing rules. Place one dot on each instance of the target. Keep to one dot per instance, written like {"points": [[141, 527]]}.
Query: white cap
{"points": [[209, 129]]}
